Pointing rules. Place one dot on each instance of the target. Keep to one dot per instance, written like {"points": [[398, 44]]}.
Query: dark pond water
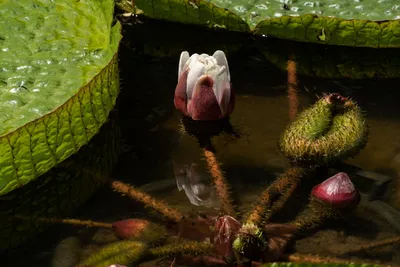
{"points": [[154, 145]]}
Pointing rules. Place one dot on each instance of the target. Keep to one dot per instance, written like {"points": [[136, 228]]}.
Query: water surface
{"points": [[154, 146]]}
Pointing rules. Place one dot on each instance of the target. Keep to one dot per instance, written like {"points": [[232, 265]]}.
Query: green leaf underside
{"points": [[196, 12], [57, 61], [368, 23]]}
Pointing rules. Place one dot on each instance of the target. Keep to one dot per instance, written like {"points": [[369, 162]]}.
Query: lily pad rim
{"points": [[328, 17]]}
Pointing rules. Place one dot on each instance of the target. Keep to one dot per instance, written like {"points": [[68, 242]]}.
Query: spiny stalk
{"points": [[180, 248], [301, 258], [162, 208], [272, 193], [86, 223], [220, 182], [315, 215], [251, 236], [371, 245], [137, 229], [292, 89], [286, 194]]}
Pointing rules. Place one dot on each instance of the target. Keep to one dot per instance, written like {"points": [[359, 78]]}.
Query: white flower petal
{"points": [[222, 86], [220, 57], [182, 61], [196, 71]]}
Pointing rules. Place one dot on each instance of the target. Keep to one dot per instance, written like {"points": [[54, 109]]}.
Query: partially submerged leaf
{"points": [[333, 30], [333, 62], [369, 23]]}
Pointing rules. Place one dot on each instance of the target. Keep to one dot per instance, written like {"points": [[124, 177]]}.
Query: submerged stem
{"points": [[166, 211], [182, 248], [311, 258], [301, 258], [282, 200], [77, 222], [371, 245], [251, 238], [276, 193]]}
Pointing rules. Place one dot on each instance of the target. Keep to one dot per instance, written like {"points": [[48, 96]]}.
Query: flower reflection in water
{"points": [[193, 180]]}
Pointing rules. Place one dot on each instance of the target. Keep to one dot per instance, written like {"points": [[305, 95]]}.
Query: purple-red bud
{"points": [[129, 228], [337, 191], [225, 231]]}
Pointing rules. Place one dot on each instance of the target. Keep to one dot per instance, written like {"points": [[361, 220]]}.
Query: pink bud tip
{"points": [[130, 228], [338, 191]]}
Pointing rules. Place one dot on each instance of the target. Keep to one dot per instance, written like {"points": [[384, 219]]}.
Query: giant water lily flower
{"points": [[204, 86]]}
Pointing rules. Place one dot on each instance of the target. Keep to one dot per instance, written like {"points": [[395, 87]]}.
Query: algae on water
{"points": [[48, 51]]}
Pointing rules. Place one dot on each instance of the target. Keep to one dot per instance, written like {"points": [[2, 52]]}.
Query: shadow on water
{"points": [[153, 143]]}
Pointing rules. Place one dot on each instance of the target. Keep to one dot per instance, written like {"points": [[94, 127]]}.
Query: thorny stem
{"points": [[292, 89], [66, 221], [168, 212], [273, 193], [297, 257], [397, 192], [312, 259], [316, 215], [221, 185], [181, 248], [204, 260], [250, 237], [371, 245], [283, 199]]}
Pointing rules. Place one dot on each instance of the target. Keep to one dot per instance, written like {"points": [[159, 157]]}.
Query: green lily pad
{"points": [[369, 23], [58, 82]]}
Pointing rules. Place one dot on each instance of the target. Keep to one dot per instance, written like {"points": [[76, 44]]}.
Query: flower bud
{"points": [[204, 88], [337, 191]]}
